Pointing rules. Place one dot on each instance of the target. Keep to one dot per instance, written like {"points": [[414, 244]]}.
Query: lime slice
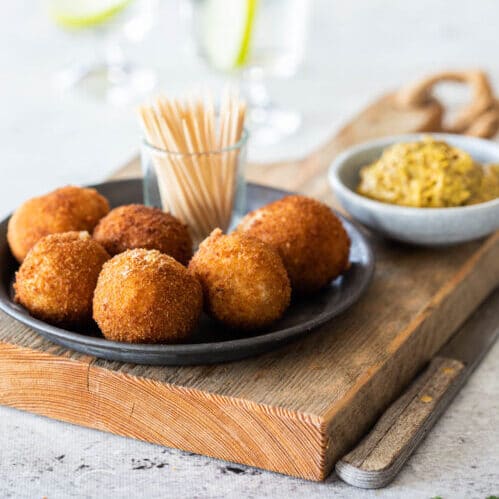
{"points": [[226, 31], [85, 13]]}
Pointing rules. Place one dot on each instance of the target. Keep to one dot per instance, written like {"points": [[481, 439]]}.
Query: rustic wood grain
{"points": [[395, 428], [377, 459], [294, 411]]}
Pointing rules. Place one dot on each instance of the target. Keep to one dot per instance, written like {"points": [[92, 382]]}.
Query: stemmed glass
{"points": [[105, 25], [253, 40]]}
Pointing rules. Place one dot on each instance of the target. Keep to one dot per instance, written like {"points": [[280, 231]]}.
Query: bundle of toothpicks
{"points": [[196, 159]]}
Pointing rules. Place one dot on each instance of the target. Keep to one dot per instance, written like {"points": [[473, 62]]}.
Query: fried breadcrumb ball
{"points": [[66, 209], [138, 226], [244, 281], [56, 280], [144, 296], [308, 236]]}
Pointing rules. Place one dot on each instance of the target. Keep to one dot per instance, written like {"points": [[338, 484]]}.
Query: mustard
{"points": [[428, 174]]}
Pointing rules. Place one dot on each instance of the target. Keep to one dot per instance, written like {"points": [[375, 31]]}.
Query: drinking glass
{"points": [[104, 25], [253, 40]]}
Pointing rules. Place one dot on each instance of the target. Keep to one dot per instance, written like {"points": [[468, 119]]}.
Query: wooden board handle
{"points": [[377, 459]]}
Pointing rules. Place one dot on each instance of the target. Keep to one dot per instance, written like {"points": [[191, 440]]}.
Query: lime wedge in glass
{"points": [[84, 13], [227, 27]]}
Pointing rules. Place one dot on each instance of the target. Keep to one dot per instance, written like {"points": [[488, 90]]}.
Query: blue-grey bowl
{"points": [[421, 226]]}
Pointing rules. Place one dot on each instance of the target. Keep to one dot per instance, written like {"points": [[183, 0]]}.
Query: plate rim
{"points": [[186, 349]]}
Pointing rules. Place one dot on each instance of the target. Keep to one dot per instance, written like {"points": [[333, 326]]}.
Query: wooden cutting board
{"points": [[296, 410]]}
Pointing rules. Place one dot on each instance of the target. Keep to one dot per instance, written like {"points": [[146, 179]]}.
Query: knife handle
{"points": [[379, 456]]}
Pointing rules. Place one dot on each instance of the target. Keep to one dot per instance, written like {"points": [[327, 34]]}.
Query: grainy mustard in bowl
{"points": [[428, 173], [422, 190]]}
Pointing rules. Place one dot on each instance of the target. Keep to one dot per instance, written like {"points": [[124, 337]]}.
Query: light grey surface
{"points": [[457, 460], [422, 226], [357, 50]]}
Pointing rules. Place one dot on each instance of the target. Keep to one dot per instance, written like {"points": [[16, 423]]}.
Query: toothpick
{"points": [[196, 172]]}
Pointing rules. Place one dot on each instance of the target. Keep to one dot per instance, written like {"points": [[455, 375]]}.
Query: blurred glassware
{"points": [[254, 40], [106, 24]]}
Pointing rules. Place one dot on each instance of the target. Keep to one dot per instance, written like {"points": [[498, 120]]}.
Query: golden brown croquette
{"points": [[56, 280], [66, 209], [244, 281], [138, 226], [308, 236], [144, 296]]}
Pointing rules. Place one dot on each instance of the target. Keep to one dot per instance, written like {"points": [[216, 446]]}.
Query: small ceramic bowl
{"points": [[422, 226]]}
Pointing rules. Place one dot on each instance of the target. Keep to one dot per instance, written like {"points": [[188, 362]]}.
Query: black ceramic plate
{"points": [[211, 343]]}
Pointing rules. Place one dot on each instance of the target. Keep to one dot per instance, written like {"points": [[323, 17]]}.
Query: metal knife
{"points": [[378, 458]]}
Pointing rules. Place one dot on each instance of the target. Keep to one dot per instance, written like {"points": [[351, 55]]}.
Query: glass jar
{"points": [[204, 190]]}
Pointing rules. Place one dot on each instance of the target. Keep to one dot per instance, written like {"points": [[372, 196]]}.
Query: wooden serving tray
{"points": [[296, 410]]}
